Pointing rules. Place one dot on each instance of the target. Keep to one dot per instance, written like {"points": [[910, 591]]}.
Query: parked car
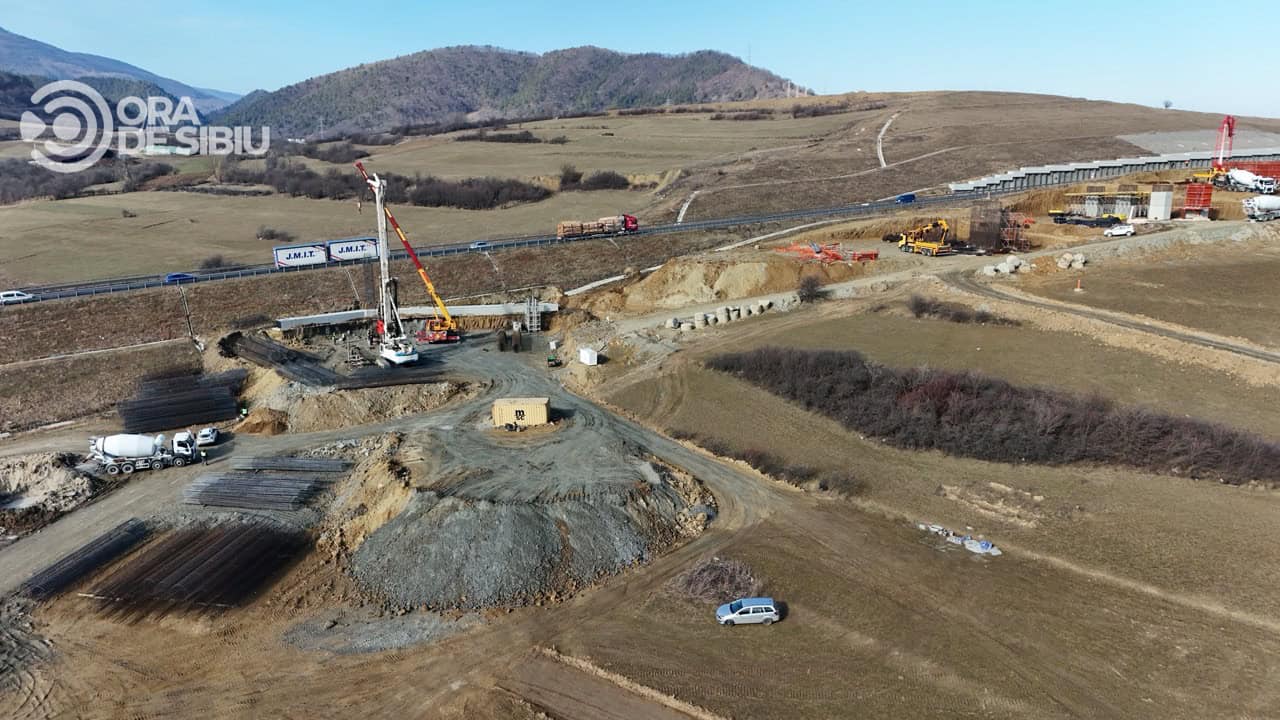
{"points": [[761, 611], [480, 245], [14, 297], [175, 278], [208, 436], [1123, 230], [905, 198]]}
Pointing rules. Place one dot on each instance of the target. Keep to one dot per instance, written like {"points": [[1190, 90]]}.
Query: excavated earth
{"points": [[36, 488]]}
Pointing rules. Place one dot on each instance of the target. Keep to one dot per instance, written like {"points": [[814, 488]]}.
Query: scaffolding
{"points": [[532, 315], [1097, 201]]}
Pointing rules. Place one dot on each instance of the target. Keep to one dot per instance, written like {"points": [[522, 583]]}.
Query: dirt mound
{"points": [[450, 552], [376, 490], [264, 421], [447, 549], [44, 479], [35, 489], [346, 408], [287, 407], [703, 279]]}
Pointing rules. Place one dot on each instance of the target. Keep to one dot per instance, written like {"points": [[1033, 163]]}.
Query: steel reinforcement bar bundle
{"points": [[84, 560], [254, 490], [177, 402], [211, 566], [265, 483], [292, 364]]}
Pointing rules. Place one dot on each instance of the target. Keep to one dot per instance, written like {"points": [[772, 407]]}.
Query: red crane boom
{"points": [[1226, 138]]}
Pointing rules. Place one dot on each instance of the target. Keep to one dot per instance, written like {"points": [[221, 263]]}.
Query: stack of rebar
{"points": [[84, 560], [292, 364], [265, 483], [182, 401], [210, 566]]}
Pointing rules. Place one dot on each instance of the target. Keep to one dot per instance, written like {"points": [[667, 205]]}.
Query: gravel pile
{"points": [[449, 552]]}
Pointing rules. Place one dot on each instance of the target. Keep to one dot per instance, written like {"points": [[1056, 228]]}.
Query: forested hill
{"points": [[439, 84]]}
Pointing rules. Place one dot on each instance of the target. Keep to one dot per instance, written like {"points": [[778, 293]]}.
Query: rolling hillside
{"points": [[25, 56], [492, 82]]}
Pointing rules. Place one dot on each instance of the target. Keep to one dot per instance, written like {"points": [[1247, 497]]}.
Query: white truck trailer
{"points": [[125, 453]]}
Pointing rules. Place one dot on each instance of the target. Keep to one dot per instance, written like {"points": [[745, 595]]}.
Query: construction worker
{"points": [[204, 457]]}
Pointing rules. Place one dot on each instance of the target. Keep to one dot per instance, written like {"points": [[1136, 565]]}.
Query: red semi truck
{"points": [[613, 225]]}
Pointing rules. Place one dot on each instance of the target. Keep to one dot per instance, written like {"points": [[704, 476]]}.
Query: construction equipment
{"points": [[1262, 208], [1227, 175], [612, 225], [1065, 217], [1221, 152], [441, 327], [1245, 181], [122, 454], [394, 347], [1226, 139], [929, 240], [832, 252]]}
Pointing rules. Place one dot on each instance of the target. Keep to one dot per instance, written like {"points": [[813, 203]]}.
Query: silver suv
{"points": [[747, 611]]}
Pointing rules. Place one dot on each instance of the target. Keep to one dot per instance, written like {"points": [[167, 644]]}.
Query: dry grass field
{"points": [[67, 240], [1222, 293], [738, 167], [1122, 594]]}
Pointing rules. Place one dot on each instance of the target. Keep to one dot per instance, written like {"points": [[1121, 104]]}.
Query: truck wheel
{"points": [[179, 461], [126, 468], [113, 469]]}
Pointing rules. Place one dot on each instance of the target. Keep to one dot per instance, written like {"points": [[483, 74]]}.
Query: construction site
{"points": [[998, 448]]}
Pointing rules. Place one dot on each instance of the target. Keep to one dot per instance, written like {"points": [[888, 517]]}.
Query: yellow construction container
{"points": [[521, 411]]}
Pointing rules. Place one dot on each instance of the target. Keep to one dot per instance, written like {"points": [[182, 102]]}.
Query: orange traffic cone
{"points": [[1079, 285]]}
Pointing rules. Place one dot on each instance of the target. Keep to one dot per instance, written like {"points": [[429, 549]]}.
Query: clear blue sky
{"points": [[1196, 53]]}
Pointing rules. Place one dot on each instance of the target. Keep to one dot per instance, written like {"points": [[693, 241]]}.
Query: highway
{"points": [[140, 282]]}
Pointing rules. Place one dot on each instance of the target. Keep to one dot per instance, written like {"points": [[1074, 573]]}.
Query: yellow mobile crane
{"points": [[932, 239]]}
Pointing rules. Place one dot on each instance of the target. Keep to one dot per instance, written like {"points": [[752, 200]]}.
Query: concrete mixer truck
{"points": [[1262, 208], [125, 453], [1245, 181]]}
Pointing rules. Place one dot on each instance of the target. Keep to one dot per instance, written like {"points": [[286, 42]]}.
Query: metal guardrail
{"points": [[143, 282]]}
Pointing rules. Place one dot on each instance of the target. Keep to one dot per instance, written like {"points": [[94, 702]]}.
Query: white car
{"points": [[1118, 231], [208, 436], [14, 297], [748, 611]]}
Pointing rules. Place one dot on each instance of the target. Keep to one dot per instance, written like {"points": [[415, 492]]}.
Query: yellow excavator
{"points": [[930, 240]]}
